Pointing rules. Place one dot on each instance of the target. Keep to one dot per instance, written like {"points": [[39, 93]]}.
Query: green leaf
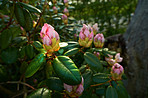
{"points": [[93, 61], [9, 55], [37, 45], [61, 51], [35, 65], [67, 70], [111, 92], [30, 7], [19, 41], [100, 91], [5, 38], [29, 51], [54, 83], [63, 44], [28, 20], [83, 68], [100, 78], [40, 93], [122, 93], [71, 52], [15, 31], [87, 78], [19, 14]]}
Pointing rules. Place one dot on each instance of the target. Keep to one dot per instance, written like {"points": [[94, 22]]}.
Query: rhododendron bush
{"points": [[39, 59]]}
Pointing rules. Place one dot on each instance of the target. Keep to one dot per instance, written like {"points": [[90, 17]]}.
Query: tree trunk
{"points": [[136, 40]]}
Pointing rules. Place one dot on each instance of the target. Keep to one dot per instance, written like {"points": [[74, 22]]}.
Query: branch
{"points": [[101, 83], [19, 82]]}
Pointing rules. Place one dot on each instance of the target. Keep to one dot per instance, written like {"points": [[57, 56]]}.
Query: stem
{"points": [[24, 87], [16, 82], [101, 83]]}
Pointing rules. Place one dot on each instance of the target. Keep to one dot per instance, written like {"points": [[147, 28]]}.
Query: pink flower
{"points": [[118, 58], [65, 10], [74, 91], [108, 58], [86, 36], [65, 1], [68, 87], [95, 28], [117, 68], [117, 71], [50, 38], [54, 8], [64, 17], [97, 54], [99, 40], [111, 62]]}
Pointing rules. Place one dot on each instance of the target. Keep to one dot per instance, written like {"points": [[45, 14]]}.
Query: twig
{"points": [[101, 83], [16, 82]]}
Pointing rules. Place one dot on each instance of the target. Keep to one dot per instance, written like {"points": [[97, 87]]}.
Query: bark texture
{"points": [[136, 40]]}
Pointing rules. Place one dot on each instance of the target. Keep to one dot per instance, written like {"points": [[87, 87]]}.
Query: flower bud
{"points": [[66, 12], [50, 38], [118, 58], [86, 36], [97, 54], [65, 19], [66, 3], [55, 10], [99, 40], [95, 28], [117, 71], [74, 91]]}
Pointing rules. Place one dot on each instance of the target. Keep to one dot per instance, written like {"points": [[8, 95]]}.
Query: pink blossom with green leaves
{"points": [[50, 38], [99, 40], [86, 36], [117, 71]]}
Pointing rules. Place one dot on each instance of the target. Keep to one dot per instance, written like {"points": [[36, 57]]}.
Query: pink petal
{"points": [[47, 40], [82, 36], [68, 87]]}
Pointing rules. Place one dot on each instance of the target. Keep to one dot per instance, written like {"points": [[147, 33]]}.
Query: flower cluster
{"points": [[74, 91], [50, 38], [117, 71], [112, 61], [86, 36]]}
